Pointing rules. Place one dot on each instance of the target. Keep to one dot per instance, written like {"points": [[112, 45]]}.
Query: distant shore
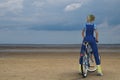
{"points": [[55, 48], [52, 46]]}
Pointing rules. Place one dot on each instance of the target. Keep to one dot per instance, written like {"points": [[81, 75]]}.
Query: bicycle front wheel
{"points": [[92, 64]]}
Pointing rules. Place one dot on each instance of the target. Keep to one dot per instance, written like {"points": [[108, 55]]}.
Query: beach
{"points": [[54, 64]]}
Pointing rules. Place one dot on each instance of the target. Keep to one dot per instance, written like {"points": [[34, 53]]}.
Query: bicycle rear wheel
{"points": [[84, 66]]}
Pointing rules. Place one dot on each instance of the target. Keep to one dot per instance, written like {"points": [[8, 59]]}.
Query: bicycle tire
{"points": [[84, 67]]}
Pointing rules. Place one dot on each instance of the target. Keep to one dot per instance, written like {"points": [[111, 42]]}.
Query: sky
{"points": [[57, 21]]}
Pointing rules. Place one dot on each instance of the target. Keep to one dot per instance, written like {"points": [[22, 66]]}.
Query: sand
{"points": [[53, 66]]}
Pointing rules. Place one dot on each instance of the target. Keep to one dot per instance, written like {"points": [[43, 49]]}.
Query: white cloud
{"points": [[14, 6], [73, 6], [76, 4]]}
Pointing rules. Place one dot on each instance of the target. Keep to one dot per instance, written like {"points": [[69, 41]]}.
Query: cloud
{"points": [[13, 6], [73, 6], [76, 4]]}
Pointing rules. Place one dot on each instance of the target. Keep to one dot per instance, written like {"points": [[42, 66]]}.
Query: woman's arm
{"points": [[96, 35], [83, 35]]}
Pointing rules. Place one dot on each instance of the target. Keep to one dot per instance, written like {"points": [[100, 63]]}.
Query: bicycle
{"points": [[88, 62]]}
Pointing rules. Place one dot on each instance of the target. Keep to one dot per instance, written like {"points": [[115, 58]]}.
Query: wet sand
{"points": [[54, 66]]}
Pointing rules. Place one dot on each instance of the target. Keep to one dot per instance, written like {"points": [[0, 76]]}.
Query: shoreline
{"points": [[56, 50], [53, 45]]}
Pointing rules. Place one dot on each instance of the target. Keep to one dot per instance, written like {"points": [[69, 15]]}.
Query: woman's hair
{"points": [[91, 17]]}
